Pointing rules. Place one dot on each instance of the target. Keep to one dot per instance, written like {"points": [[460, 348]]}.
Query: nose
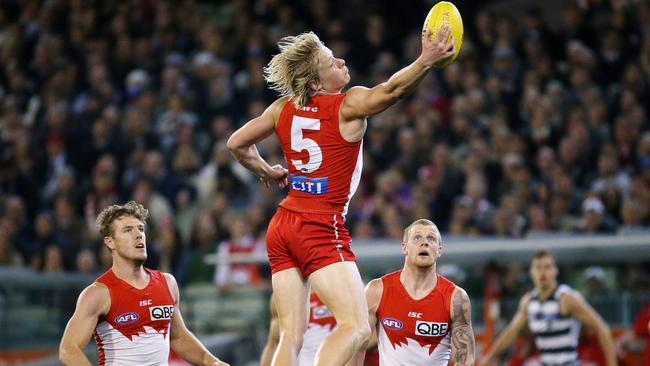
{"points": [[341, 62]]}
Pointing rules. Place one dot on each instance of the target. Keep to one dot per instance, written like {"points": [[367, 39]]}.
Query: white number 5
{"points": [[299, 143]]}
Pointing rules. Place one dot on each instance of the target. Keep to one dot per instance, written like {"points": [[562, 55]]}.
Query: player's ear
{"points": [[108, 241], [404, 251]]}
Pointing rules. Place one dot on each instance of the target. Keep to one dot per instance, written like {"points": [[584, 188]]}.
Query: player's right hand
{"points": [[435, 49], [278, 174]]}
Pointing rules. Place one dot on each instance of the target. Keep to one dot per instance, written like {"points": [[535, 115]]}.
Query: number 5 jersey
{"points": [[324, 168]]}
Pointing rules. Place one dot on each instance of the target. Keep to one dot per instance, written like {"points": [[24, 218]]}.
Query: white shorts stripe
{"points": [[336, 235]]}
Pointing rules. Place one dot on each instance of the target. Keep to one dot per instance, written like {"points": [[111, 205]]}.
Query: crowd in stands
{"points": [[534, 128]]}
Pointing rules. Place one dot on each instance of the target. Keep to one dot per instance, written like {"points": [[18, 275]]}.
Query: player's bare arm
{"points": [[463, 344], [182, 341], [93, 302], [361, 102], [374, 290], [510, 333], [573, 304], [242, 145]]}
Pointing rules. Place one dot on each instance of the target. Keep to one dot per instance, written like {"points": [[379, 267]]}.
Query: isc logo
{"points": [[391, 323], [431, 329], [126, 318], [161, 312]]}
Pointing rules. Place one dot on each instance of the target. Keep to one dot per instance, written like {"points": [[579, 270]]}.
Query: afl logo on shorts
{"points": [[126, 318], [161, 312], [321, 312], [392, 324]]}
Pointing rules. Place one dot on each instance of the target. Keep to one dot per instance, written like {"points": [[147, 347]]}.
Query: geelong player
{"points": [[553, 313], [131, 311], [320, 129], [418, 317]]}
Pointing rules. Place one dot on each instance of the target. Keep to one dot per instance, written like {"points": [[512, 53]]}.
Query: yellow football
{"points": [[442, 12]]}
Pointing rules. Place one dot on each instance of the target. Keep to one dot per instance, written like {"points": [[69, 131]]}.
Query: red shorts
{"points": [[306, 240]]}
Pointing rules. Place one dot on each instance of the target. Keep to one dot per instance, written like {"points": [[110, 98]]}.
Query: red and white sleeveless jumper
{"points": [[135, 331], [414, 332], [321, 325]]}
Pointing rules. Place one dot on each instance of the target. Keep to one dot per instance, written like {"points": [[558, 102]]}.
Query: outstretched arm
{"points": [[508, 336], [361, 102], [581, 310], [242, 145], [463, 345], [374, 290], [182, 341], [93, 301]]}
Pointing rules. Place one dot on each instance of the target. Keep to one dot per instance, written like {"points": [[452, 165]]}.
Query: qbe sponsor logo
{"points": [[431, 329], [164, 312]]}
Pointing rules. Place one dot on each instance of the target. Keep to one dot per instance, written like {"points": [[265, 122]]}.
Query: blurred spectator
{"points": [[53, 260], [240, 241], [87, 262], [593, 216], [528, 125], [595, 284], [8, 255]]}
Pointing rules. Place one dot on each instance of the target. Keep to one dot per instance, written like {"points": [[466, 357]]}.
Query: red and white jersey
{"points": [[414, 332], [238, 273], [321, 325], [135, 331], [324, 169]]}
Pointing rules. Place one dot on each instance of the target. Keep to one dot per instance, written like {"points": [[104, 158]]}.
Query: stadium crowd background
{"points": [[534, 129]]}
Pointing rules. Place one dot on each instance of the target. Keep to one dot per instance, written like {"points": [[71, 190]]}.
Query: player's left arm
{"points": [[578, 308], [182, 341], [463, 345]]}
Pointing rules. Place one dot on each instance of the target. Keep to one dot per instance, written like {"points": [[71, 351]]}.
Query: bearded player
{"points": [[418, 317]]}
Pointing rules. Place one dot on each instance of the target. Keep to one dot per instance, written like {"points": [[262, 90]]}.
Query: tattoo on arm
{"points": [[462, 336]]}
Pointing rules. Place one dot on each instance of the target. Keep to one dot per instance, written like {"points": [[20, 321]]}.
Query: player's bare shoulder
{"points": [[460, 303], [570, 302], [523, 304], [374, 292], [95, 298], [276, 107], [352, 105], [172, 285]]}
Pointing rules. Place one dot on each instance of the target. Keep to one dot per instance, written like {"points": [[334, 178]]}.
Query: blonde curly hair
{"points": [[296, 66], [111, 213]]}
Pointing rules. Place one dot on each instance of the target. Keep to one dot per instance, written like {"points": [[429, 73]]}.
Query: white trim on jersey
{"points": [[144, 349], [355, 179], [314, 336], [412, 353]]}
